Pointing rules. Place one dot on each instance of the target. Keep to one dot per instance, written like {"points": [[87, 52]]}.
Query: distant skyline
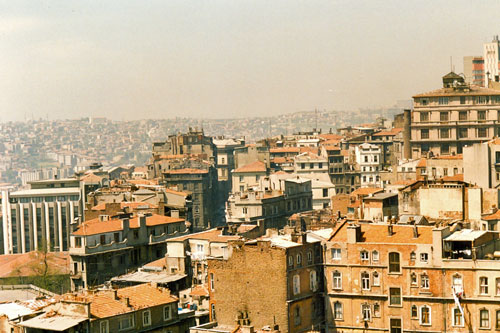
{"points": [[226, 59]]}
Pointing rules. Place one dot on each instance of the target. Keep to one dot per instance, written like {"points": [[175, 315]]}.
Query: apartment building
{"points": [[369, 163], [271, 204], [142, 308], [290, 299], [481, 164], [202, 183], [445, 120], [309, 163], [225, 163], [103, 248], [397, 278], [474, 70], [40, 216], [248, 176]]}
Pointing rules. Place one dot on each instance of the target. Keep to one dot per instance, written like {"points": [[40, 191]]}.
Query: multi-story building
{"points": [[271, 204], [142, 308], [474, 70], [290, 298], [443, 121], [368, 159], [481, 164], [309, 163], [395, 278], [40, 217], [103, 248], [492, 60], [341, 168], [251, 153], [202, 183], [248, 176], [225, 164]]}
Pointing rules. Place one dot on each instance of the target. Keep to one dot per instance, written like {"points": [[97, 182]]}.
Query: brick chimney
{"points": [[353, 233]]}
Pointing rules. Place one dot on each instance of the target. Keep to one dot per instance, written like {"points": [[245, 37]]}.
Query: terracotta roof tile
{"points": [[366, 191], [28, 264], [186, 171], [422, 163], [256, 166], [95, 227], [377, 233], [492, 217], [200, 291], [391, 132], [285, 150]]}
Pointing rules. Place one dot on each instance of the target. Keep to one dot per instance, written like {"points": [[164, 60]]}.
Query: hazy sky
{"points": [[161, 59]]}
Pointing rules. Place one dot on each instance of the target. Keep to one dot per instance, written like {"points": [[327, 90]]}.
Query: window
{"points": [[212, 282], [296, 284], [104, 326], [425, 315], [376, 310], [462, 133], [443, 116], [365, 281], [212, 310], [458, 319], [309, 257], [299, 259], [395, 296], [443, 101], [103, 239], [481, 115], [337, 280], [167, 313], [146, 318], [365, 255], [394, 266], [395, 325], [414, 312], [462, 99], [290, 261], [457, 282], [376, 279], [483, 285], [126, 322], [338, 311], [325, 192], [313, 281], [462, 115], [78, 242], [302, 165], [366, 312], [116, 236], [445, 149], [497, 285], [245, 210], [444, 133], [366, 159], [242, 178], [424, 116], [424, 133], [424, 281], [482, 132], [296, 316], [336, 254], [424, 101], [413, 256], [413, 279], [484, 318], [497, 325], [424, 257]]}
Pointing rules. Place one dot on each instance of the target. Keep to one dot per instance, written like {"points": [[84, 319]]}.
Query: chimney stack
{"points": [[390, 232], [415, 231]]}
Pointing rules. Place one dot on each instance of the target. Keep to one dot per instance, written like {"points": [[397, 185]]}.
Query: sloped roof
{"points": [[28, 264], [212, 235], [95, 227], [377, 233], [391, 132], [256, 166], [474, 90]]}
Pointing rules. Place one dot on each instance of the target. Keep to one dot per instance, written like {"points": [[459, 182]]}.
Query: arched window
{"points": [[337, 280], [313, 281], [338, 311], [425, 315], [376, 279], [309, 257], [424, 281], [299, 259], [375, 255], [414, 312], [413, 279]]}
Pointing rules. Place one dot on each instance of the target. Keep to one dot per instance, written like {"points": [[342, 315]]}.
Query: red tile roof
{"points": [[422, 163], [95, 227], [285, 150], [256, 166], [186, 171], [366, 191], [377, 233], [391, 132], [30, 264]]}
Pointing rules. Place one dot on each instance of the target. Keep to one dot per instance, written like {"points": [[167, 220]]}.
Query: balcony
{"points": [[99, 248]]}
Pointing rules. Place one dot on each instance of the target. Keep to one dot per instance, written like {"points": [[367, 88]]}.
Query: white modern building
{"points": [[368, 159], [35, 217], [491, 60]]}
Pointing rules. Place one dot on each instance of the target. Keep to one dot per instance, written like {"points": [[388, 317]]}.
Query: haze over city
{"points": [[133, 60]]}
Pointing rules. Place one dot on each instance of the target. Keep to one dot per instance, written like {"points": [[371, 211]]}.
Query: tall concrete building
{"points": [[40, 216], [445, 120], [492, 60], [474, 70]]}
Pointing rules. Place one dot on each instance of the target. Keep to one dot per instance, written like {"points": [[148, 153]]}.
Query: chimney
{"points": [[247, 329], [353, 233], [103, 218], [390, 232], [415, 231], [127, 301], [406, 134], [115, 294], [125, 226], [142, 221]]}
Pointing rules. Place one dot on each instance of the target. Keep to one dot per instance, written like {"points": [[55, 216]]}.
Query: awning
{"points": [[54, 323]]}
